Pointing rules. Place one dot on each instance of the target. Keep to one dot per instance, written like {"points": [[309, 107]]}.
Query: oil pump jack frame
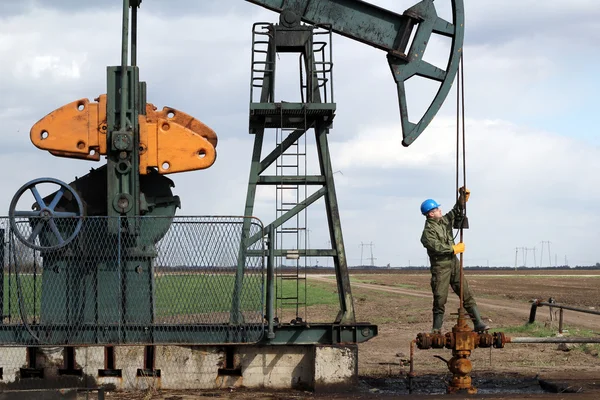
{"points": [[131, 134], [359, 21]]}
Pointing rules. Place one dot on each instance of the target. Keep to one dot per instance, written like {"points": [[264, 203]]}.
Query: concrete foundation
{"points": [[182, 367]]}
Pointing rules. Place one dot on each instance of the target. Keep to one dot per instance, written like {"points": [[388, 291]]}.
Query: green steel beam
{"points": [[280, 149], [255, 167], [292, 180], [289, 214], [301, 253], [316, 115], [414, 65], [174, 334], [354, 19], [322, 334], [346, 314], [391, 32]]}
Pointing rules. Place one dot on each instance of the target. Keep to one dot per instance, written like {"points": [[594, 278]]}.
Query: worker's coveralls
{"points": [[438, 239]]}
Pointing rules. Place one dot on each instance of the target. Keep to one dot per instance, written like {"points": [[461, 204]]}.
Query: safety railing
{"points": [[97, 280], [551, 303]]}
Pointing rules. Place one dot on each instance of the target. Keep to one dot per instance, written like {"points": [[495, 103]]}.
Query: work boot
{"points": [[478, 324], [438, 321]]}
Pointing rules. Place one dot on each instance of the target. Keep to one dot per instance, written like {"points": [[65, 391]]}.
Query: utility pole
{"points": [[361, 253], [372, 258], [524, 249], [534, 260], [542, 254], [362, 245]]}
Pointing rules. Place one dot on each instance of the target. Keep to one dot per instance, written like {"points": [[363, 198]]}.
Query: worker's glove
{"points": [[464, 194], [458, 248]]}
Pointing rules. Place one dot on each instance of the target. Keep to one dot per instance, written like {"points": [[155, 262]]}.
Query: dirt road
{"points": [[518, 308]]}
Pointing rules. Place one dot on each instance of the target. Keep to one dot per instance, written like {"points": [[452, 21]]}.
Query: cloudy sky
{"points": [[531, 96]]}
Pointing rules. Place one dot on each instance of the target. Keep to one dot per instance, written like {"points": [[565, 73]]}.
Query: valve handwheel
{"points": [[45, 218]]}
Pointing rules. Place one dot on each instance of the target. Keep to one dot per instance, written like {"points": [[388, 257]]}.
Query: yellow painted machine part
{"points": [[170, 140]]}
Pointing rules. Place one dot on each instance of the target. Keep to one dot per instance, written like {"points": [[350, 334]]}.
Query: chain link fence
{"points": [[143, 280]]}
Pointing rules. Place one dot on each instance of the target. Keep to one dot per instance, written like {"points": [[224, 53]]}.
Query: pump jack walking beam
{"points": [[390, 32]]}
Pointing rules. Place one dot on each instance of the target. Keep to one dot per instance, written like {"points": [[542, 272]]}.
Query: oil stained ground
{"points": [[436, 384]]}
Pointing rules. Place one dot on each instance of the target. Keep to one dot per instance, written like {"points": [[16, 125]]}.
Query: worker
{"points": [[437, 238]]}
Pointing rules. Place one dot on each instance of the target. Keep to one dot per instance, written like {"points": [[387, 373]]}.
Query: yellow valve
{"points": [[170, 140]]}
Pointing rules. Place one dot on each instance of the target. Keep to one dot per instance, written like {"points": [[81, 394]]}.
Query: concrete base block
{"points": [[11, 362], [277, 367], [188, 367], [336, 368]]}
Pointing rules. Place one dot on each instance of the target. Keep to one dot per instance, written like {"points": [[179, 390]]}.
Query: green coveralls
{"points": [[438, 239]]}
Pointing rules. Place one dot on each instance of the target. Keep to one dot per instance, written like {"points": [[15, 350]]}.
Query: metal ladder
{"points": [[293, 234]]}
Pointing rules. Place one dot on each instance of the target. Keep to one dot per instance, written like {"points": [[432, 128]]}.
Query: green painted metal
{"points": [[270, 297], [391, 32], [315, 113], [357, 20], [85, 290], [325, 334], [123, 286], [414, 65], [124, 104]]}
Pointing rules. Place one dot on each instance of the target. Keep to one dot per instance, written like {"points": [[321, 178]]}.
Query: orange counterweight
{"points": [[170, 140]]}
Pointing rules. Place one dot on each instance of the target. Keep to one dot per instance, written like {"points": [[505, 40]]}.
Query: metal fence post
{"points": [[2, 244], [270, 279], [560, 321], [533, 312]]}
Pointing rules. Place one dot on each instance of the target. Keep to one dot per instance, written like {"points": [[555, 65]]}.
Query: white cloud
{"points": [[530, 165], [527, 185]]}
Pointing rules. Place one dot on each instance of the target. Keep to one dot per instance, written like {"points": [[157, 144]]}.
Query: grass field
{"points": [[180, 294]]}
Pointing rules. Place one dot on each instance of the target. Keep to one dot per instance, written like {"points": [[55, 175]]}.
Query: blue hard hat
{"points": [[428, 205]]}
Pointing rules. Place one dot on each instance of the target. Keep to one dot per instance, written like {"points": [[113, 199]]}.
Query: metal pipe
{"points": [[560, 321], [557, 305], [124, 51], [2, 244], [411, 372], [532, 313], [134, 8], [551, 340], [270, 281]]}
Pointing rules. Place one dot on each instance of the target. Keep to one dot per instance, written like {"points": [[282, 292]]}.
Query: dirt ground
{"points": [[399, 302]]}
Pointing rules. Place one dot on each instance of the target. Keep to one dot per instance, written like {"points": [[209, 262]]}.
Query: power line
{"points": [[542, 253], [362, 246], [524, 256]]}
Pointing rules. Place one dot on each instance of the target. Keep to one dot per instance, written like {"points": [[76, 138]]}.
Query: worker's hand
{"points": [[459, 248], [464, 194]]}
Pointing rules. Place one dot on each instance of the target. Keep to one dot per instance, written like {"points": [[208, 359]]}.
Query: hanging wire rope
{"points": [[460, 137]]}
